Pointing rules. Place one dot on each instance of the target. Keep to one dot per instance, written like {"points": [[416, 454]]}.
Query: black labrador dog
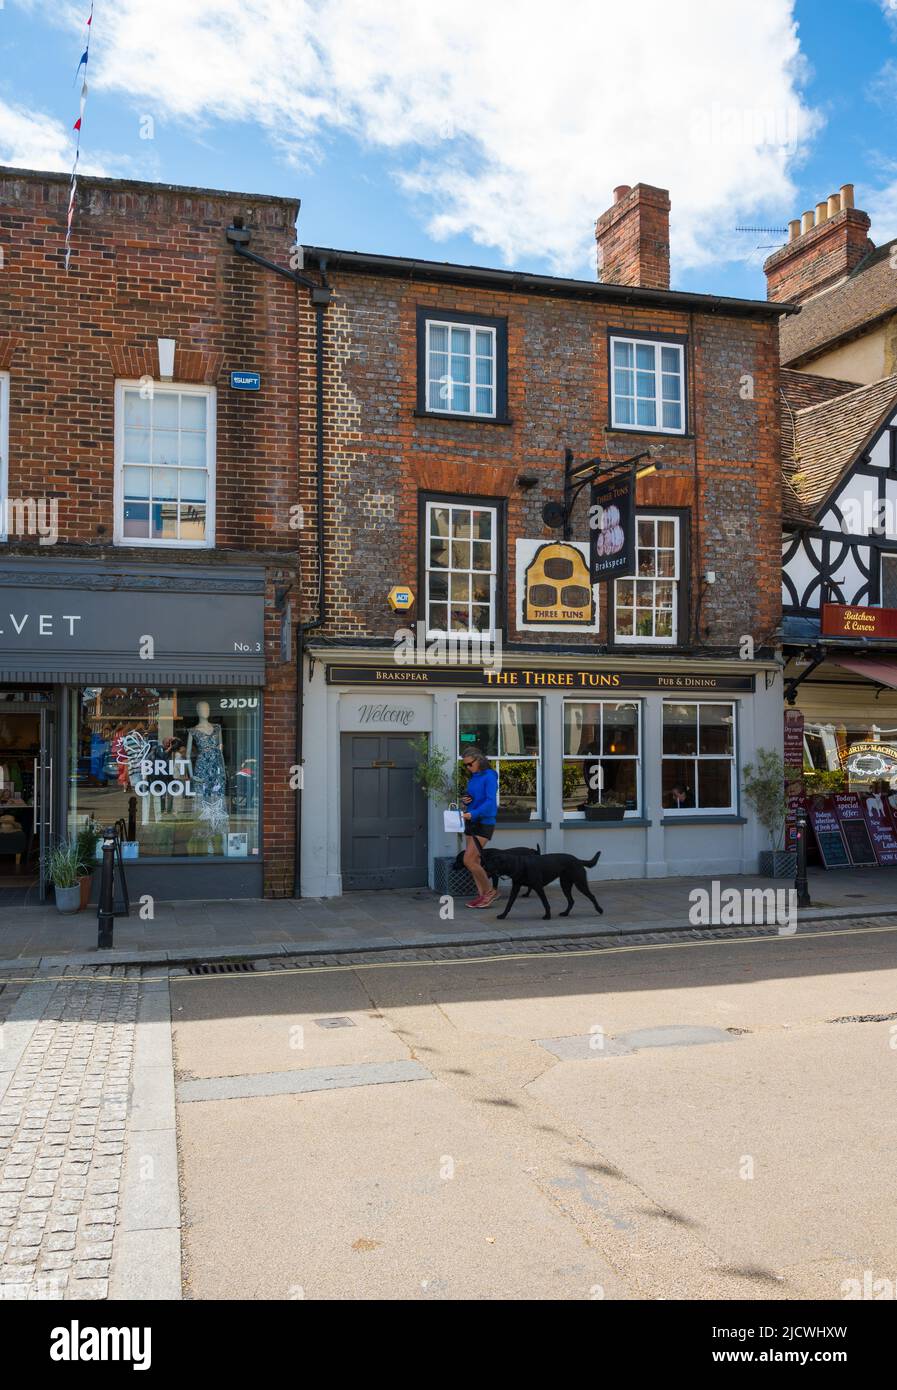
{"points": [[527, 871], [521, 850]]}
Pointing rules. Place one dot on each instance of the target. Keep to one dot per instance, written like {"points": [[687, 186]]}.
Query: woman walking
{"points": [[481, 800]]}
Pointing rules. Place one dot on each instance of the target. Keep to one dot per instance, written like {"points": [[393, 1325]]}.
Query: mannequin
{"points": [[207, 772]]}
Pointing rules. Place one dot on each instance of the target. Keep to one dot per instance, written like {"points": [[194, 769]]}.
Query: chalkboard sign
{"points": [[827, 830], [879, 818], [858, 843]]}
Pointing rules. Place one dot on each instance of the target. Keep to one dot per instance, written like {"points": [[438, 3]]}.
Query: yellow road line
{"points": [[459, 960]]}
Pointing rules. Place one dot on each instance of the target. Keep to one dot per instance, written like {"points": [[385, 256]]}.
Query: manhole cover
{"points": [[223, 967], [334, 1023]]}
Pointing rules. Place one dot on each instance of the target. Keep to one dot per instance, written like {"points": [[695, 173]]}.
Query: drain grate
{"points": [[340, 1022], [865, 1018], [222, 967]]}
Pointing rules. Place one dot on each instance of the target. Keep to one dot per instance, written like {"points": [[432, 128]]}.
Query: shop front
{"points": [[133, 696], [640, 759]]}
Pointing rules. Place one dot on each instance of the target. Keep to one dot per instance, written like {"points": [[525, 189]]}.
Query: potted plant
{"points": [[86, 843], [63, 871], [610, 807], [443, 780], [765, 788]]}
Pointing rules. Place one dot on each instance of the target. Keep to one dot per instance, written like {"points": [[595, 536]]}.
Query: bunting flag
{"points": [[77, 128]]}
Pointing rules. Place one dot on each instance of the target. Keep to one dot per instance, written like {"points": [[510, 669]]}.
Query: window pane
{"points": [[439, 521], [484, 400], [460, 555], [460, 587], [137, 446], [484, 371], [672, 416], [678, 784], [646, 412], [716, 728], [136, 519], [481, 618], [193, 485], [478, 723], [624, 591], [519, 727], [670, 359], [714, 783], [165, 410], [582, 727], [193, 521], [665, 562], [594, 783], [680, 729], [137, 410], [644, 383], [193, 448], [517, 789], [437, 396], [461, 341], [461, 522], [670, 387], [481, 588], [461, 399], [439, 554], [623, 354], [624, 622], [483, 525], [485, 342], [136, 481], [482, 555], [620, 729], [439, 617], [623, 383], [438, 585], [193, 412], [459, 617], [461, 369], [624, 410], [666, 533], [663, 623], [165, 484], [165, 521], [644, 357], [165, 446], [439, 340]]}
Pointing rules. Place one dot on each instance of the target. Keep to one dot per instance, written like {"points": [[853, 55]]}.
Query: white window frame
{"points": [[177, 387], [637, 812], [499, 757], [637, 640], [472, 329], [731, 758], [655, 345], [458, 633], [4, 456]]}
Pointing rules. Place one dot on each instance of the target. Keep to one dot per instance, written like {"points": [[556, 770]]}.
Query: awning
{"points": [[878, 672]]}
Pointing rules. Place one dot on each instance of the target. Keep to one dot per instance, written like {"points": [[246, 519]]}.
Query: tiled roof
{"points": [[820, 442], [868, 293]]}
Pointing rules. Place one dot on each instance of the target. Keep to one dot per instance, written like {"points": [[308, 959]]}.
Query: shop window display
{"points": [[180, 768], [601, 756]]}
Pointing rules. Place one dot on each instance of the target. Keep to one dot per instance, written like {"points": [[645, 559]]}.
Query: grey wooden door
{"points": [[384, 813]]}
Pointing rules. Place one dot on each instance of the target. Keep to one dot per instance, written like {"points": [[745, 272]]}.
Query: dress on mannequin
{"points": [[208, 775]]}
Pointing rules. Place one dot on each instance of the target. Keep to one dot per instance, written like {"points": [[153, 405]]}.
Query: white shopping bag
{"points": [[453, 821]]}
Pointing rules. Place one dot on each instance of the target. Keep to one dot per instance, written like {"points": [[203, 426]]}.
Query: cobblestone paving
{"points": [[62, 1132]]}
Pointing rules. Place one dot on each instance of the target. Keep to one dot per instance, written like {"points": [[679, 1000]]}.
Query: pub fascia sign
{"points": [[533, 679]]}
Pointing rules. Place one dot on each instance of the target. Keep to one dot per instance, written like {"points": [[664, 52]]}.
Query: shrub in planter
{"points": [[765, 789], [608, 808], [63, 864]]}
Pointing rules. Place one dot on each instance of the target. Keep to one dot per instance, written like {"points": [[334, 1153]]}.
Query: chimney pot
{"points": [[806, 222], [834, 204], [794, 229], [620, 192], [807, 266], [847, 195], [821, 213]]}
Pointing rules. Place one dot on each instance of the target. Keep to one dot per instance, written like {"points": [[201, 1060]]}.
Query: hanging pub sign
{"points": [[612, 528], [554, 585]]}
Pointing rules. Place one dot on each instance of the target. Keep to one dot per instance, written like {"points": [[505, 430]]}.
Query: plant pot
{"points": [[451, 882], [778, 863], [604, 812], [84, 884], [68, 899]]}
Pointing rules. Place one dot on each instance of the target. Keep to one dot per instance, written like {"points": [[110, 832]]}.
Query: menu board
{"points": [[794, 738], [827, 829], [854, 828], [880, 819], [794, 801]]}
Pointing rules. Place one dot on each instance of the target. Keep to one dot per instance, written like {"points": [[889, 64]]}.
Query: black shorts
{"points": [[476, 827]]}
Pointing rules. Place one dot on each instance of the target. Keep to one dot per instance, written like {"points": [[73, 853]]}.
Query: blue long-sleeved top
{"points": [[483, 788]]}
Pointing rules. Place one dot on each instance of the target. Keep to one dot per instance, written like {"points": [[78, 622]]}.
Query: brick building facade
{"points": [[452, 394], [148, 557]]}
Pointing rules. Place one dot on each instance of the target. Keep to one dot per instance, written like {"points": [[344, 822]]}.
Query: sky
{"points": [[485, 132]]}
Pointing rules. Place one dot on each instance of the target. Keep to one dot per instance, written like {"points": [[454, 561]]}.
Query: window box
{"points": [[604, 812]]}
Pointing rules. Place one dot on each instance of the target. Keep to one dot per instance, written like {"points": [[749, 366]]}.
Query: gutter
{"points": [[321, 294]]}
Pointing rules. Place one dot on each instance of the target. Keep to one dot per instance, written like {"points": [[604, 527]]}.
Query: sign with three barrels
{"points": [[554, 585]]}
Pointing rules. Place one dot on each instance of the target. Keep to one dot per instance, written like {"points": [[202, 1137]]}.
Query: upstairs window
{"points": [[646, 608], [647, 385], [462, 366], [165, 465], [460, 568]]}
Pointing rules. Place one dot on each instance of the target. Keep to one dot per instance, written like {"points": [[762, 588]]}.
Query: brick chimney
{"points": [[634, 238], [822, 249]]}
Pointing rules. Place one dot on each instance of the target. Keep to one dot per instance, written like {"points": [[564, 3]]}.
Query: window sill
{"points": [[647, 433], [638, 822], [192, 859], [468, 419], [523, 825], [724, 819]]}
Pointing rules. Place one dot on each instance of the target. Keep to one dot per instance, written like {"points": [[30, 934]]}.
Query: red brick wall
{"points": [[380, 455], [634, 239], [150, 261]]}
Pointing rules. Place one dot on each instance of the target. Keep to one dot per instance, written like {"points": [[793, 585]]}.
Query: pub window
{"points": [[461, 558], [509, 733], [165, 464], [4, 455], [646, 606], [889, 581], [462, 365], [698, 757], [648, 385], [602, 756]]}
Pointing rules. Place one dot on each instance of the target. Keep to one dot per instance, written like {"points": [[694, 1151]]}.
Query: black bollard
{"points": [[800, 877], [105, 916]]}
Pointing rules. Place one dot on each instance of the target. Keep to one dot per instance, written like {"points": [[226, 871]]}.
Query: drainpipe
{"points": [[321, 294]]}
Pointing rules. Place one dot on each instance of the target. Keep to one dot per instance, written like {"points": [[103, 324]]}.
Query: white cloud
{"points": [[33, 140], [507, 120]]}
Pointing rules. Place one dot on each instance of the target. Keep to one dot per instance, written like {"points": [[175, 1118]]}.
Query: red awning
{"points": [[879, 672]]}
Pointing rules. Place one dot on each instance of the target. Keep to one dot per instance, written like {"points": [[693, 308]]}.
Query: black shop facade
{"points": [[133, 695]]}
